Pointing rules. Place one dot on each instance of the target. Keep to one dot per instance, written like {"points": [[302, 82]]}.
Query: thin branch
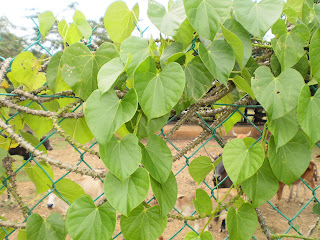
{"points": [[69, 167], [40, 113], [9, 224], [4, 68], [204, 134], [313, 228], [263, 223], [277, 236]]}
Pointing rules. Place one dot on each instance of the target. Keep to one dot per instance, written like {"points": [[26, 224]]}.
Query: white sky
{"points": [[17, 10]]}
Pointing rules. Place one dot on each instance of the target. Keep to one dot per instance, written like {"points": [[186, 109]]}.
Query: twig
{"points": [[4, 68], [277, 236], [313, 228], [9, 224], [40, 113], [69, 167], [205, 133], [263, 223]]}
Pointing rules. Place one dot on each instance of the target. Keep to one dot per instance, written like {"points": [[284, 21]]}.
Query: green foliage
{"points": [[46, 20], [202, 202], [203, 236], [83, 213], [69, 190], [199, 168], [52, 228]]}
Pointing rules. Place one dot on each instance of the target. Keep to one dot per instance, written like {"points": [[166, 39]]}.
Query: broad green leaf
{"points": [[257, 18], [146, 128], [291, 160], [82, 24], [309, 11], [242, 84], [262, 186], [314, 57], [105, 114], [139, 50], [185, 33], [242, 223], [63, 29], [22, 235], [53, 74], [167, 22], [203, 236], [308, 114], [284, 129], [199, 168], [24, 70], [278, 95], [77, 129], [239, 40], [73, 34], [198, 79], [165, 193], [202, 202], [241, 159], [69, 190], [289, 47], [303, 66], [158, 93], [86, 221], [109, 73], [119, 21], [80, 68], [121, 157], [105, 53], [143, 223], [206, 15], [219, 59], [124, 197], [38, 176], [157, 158], [33, 141], [52, 228], [46, 20], [316, 209]]}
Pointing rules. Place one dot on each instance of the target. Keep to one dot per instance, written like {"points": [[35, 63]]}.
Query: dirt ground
{"points": [[66, 153]]}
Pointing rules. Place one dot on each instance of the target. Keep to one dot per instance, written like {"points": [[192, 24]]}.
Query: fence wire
{"points": [[187, 158]]}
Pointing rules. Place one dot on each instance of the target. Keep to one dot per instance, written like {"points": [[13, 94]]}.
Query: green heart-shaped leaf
{"points": [[126, 196], [242, 84], [84, 213], [289, 47], [157, 158], [122, 157], [262, 186], [242, 223], [165, 193], [199, 168], [138, 48], [105, 114], [308, 114], [241, 159], [82, 24], [79, 67], [46, 20], [119, 21], [284, 129], [257, 18], [143, 223], [291, 160], [202, 202], [51, 228], [278, 95], [167, 22], [219, 59], [158, 93], [206, 15], [239, 40]]}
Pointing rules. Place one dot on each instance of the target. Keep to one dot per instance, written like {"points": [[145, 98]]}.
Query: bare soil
{"points": [[186, 185]]}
